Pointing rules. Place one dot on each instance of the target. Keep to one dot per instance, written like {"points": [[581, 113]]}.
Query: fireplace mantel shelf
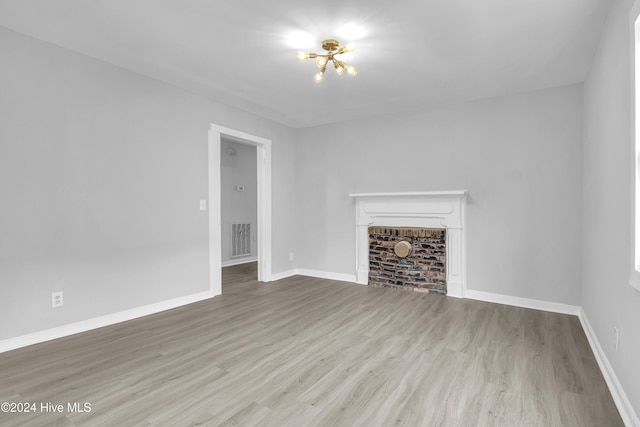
{"points": [[411, 194]]}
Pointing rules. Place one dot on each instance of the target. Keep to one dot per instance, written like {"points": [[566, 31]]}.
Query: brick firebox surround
{"points": [[423, 270]]}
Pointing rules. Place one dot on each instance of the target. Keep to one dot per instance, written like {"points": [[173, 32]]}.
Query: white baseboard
{"points": [[314, 273], [629, 417], [231, 262], [284, 275], [327, 275], [99, 322], [553, 307]]}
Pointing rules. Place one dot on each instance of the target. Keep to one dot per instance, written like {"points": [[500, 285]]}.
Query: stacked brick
{"points": [[424, 270]]}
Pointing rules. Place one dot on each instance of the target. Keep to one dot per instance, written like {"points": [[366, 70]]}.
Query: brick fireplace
{"points": [[408, 258], [444, 210]]}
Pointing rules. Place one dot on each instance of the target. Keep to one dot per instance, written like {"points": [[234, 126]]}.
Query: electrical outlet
{"points": [[291, 256], [616, 339], [203, 205], [57, 299]]}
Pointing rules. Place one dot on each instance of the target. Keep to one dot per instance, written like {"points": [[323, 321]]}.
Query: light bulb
{"points": [[351, 70], [339, 68], [318, 77], [349, 47], [302, 55], [321, 61]]}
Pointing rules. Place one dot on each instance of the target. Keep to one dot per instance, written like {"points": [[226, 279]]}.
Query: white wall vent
{"points": [[240, 239]]}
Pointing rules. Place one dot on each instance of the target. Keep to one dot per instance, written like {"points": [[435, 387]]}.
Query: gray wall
{"points": [[520, 158], [238, 206], [101, 170], [607, 298]]}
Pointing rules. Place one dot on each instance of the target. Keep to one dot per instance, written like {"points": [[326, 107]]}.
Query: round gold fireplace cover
{"points": [[402, 249]]}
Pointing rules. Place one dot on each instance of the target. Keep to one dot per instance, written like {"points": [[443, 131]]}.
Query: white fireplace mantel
{"points": [[429, 209]]}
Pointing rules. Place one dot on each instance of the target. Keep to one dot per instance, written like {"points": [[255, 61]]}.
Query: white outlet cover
{"points": [[203, 205], [57, 299]]}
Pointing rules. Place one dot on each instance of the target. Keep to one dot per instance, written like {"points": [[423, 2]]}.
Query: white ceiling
{"points": [[410, 53]]}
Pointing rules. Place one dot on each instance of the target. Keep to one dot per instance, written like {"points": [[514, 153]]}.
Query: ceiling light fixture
{"points": [[333, 48]]}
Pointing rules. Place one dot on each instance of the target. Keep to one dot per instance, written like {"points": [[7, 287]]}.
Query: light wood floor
{"points": [[313, 352]]}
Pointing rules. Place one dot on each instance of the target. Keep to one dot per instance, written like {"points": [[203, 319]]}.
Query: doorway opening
{"points": [[218, 135]]}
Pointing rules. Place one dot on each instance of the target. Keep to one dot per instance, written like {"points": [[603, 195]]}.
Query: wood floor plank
{"points": [[311, 352]]}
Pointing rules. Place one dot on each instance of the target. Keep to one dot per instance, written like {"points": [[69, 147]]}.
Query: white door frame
{"points": [[263, 151]]}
